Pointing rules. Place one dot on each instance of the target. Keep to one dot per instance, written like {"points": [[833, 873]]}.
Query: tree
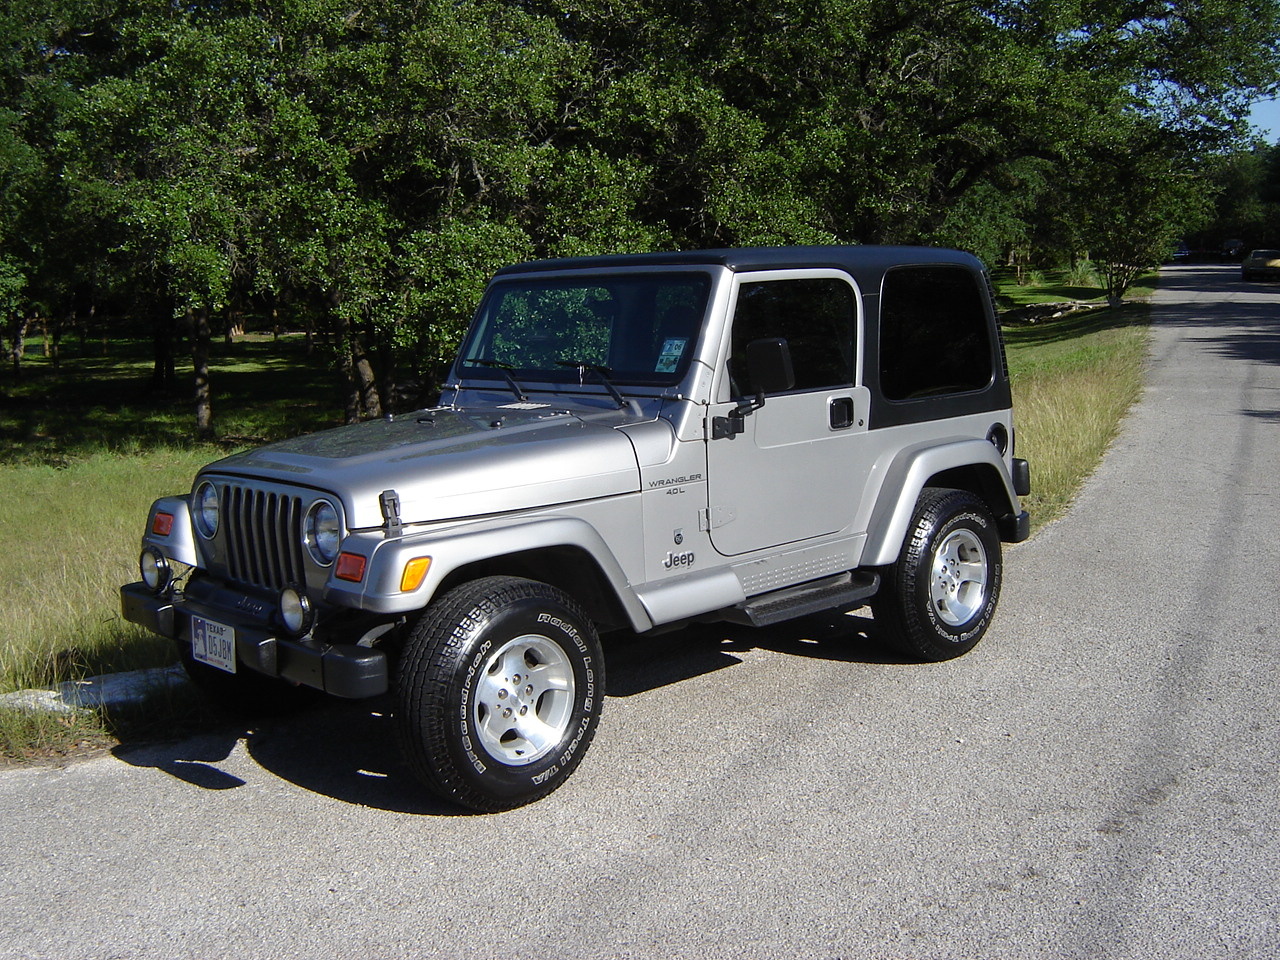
{"points": [[1133, 203]]}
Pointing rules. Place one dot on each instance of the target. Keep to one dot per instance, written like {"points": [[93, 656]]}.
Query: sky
{"points": [[1266, 117]]}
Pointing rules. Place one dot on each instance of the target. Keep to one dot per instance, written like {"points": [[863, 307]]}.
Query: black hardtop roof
{"points": [[852, 259]]}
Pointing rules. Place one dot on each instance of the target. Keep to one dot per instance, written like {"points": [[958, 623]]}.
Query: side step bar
{"points": [[842, 592]]}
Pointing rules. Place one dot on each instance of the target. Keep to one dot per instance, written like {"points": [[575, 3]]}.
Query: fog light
{"points": [[155, 569], [296, 612]]}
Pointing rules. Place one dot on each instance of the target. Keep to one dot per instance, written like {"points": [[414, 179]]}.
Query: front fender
{"points": [[911, 472], [451, 549], [180, 542]]}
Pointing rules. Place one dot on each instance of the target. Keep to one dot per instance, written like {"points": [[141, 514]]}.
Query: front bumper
{"points": [[342, 669]]}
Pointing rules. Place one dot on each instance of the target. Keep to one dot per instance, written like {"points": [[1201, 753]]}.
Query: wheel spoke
{"points": [[492, 727], [973, 571], [537, 735], [546, 676]]}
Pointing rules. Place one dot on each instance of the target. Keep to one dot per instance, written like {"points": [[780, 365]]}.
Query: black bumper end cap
{"points": [[1014, 528], [141, 605]]}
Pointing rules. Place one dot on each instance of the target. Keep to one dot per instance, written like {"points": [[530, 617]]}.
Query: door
{"points": [[793, 472]]}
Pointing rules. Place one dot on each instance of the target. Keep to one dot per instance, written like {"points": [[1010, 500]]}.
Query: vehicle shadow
{"points": [[638, 663], [347, 750]]}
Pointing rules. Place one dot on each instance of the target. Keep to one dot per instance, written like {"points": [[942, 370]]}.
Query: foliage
{"points": [[357, 170]]}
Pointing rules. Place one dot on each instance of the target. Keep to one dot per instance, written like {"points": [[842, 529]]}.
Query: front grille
{"points": [[263, 536]]}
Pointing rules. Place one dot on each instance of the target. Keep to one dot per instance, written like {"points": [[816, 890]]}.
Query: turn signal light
{"points": [[350, 567], [162, 524], [415, 571]]}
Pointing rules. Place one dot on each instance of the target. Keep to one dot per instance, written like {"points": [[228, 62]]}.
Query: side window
{"points": [[815, 316], [934, 337]]}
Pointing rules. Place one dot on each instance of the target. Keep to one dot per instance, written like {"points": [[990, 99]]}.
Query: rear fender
{"points": [[912, 471]]}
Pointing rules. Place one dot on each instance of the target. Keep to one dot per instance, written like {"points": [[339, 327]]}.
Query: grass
{"points": [[1073, 382], [84, 449]]}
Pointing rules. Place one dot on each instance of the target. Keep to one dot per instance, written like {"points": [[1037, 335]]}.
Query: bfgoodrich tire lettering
{"points": [[937, 601], [499, 690]]}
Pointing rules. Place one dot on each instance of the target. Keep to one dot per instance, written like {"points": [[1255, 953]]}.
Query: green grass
{"points": [[84, 451], [1056, 286]]}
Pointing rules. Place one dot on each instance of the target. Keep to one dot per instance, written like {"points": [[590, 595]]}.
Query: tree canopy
{"points": [[363, 167]]}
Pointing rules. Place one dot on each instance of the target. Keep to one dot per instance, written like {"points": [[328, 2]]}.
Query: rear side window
{"points": [[934, 336]]}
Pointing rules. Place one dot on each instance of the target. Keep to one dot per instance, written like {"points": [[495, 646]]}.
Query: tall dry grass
{"points": [[68, 538], [1070, 397]]}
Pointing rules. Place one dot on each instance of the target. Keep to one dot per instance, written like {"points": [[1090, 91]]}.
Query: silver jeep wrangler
{"points": [[624, 442]]}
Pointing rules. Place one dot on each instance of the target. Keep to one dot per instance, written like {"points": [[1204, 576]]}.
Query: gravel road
{"points": [[1096, 780]]}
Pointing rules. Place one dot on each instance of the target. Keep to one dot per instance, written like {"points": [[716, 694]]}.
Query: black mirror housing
{"points": [[769, 365]]}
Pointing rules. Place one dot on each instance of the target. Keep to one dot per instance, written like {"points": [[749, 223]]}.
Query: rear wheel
{"points": [[499, 691], [936, 602]]}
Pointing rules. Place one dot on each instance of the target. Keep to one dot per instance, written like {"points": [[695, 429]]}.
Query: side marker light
{"points": [[350, 567], [415, 571]]}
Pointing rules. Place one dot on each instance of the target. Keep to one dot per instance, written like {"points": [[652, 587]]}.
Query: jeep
{"points": [[636, 442]]}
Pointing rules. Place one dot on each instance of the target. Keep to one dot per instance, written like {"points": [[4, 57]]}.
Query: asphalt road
{"points": [[1096, 780]]}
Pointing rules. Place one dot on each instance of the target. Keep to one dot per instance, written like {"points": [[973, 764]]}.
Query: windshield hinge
{"points": [[390, 503]]}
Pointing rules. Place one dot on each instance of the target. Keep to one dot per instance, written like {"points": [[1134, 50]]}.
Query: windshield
{"points": [[638, 328]]}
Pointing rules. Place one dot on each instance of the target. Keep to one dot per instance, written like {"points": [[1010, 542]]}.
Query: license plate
{"points": [[213, 643]]}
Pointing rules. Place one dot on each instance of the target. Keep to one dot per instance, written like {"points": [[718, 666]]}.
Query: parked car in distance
{"points": [[1261, 265]]}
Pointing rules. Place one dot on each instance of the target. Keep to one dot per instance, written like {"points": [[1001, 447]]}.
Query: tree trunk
{"points": [[362, 398], [164, 374], [235, 325], [200, 363], [18, 343]]}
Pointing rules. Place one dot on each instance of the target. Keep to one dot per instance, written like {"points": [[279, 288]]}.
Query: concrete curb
{"points": [[109, 691]]}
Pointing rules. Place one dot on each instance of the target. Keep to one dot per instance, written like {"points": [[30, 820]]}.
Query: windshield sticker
{"points": [[672, 351]]}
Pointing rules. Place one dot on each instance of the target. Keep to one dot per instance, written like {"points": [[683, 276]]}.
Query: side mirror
{"points": [[770, 371], [769, 366]]}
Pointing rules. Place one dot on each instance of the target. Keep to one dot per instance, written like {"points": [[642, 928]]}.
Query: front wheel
{"points": [[936, 602], [499, 690]]}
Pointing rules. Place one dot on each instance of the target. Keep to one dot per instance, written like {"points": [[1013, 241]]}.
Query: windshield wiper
{"points": [[505, 369], [602, 374]]}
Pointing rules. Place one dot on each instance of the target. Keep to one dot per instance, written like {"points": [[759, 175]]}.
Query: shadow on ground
{"points": [[347, 750]]}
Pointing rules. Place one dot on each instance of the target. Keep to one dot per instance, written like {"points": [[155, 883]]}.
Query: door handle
{"points": [[841, 412]]}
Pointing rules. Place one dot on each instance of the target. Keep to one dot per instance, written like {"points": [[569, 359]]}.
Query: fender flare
{"points": [[909, 474], [180, 543], [452, 549]]}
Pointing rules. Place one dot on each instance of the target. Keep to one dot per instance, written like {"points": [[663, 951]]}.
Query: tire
{"points": [[246, 692], [936, 602], [499, 691]]}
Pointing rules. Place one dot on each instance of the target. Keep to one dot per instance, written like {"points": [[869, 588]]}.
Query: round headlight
{"points": [[207, 509], [296, 611], [321, 532], [155, 569]]}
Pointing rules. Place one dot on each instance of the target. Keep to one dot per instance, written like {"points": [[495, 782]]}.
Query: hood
{"points": [[447, 463]]}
